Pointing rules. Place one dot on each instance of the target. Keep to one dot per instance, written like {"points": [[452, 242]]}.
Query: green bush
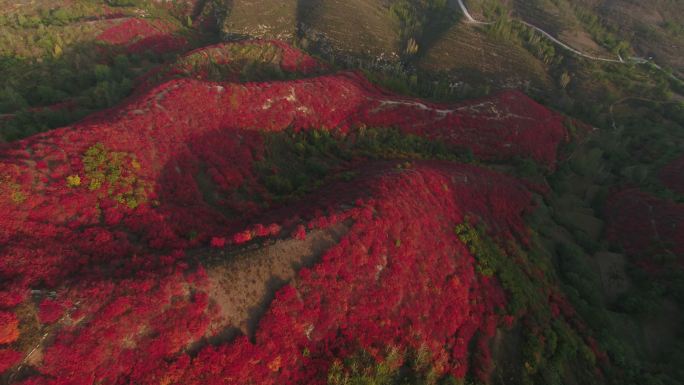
{"points": [[11, 100], [122, 3]]}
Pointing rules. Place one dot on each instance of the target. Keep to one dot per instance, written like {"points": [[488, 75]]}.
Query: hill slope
{"points": [[164, 197], [242, 212]]}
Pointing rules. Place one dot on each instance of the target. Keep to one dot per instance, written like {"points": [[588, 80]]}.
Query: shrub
{"points": [[218, 242], [50, 311], [9, 327], [11, 100], [73, 181], [115, 171], [8, 358]]}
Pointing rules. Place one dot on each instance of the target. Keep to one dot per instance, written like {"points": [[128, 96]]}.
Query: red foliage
{"points": [[158, 44], [300, 233], [399, 277], [368, 292], [167, 133], [218, 242], [138, 35], [128, 326], [49, 311], [13, 296], [242, 237], [9, 358], [132, 29], [257, 231], [294, 60], [9, 327]]}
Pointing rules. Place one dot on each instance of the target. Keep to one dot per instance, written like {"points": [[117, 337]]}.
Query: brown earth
{"points": [[244, 286]]}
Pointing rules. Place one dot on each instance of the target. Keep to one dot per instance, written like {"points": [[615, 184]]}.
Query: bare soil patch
{"points": [[244, 287]]}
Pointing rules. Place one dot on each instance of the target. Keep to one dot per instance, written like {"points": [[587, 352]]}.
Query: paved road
{"points": [[630, 60], [467, 14], [471, 19]]}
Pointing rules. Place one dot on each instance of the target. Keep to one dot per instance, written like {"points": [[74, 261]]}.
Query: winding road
{"points": [[471, 19], [630, 60], [467, 14]]}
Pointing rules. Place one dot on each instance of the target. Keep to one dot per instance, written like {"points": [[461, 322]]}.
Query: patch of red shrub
{"points": [[218, 242], [299, 233], [131, 29], [368, 292], [294, 60], [158, 44], [125, 328], [138, 35], [506, 125], [50, 310], [130, 305], [9, 327], [371, 291], [183, 124], [9, 358]]}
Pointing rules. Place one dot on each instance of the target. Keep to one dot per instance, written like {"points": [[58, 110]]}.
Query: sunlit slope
{"points": [[361, 27], [276, 19], [469, 52]]}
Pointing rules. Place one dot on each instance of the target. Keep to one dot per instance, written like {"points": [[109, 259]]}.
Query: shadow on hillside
{"points": [[189, 199], [435, 31], [37, 95], [349, 52], [103, 257]]}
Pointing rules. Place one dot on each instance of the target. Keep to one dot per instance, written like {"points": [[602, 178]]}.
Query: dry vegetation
{"points": [[360, 27], [474, 56]]}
